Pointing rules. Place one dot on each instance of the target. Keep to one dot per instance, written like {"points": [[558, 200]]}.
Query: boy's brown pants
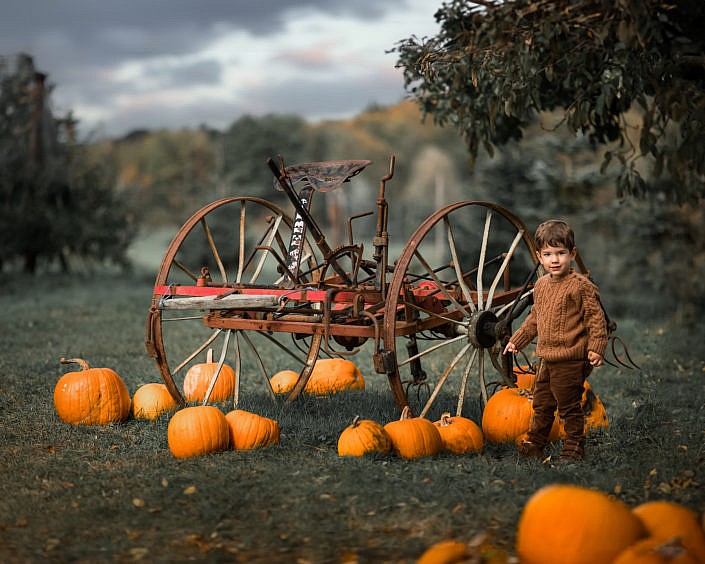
{"points": [[560, 385]]}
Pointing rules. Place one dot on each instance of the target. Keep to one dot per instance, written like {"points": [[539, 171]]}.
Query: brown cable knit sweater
{"points": [[567, 317]]}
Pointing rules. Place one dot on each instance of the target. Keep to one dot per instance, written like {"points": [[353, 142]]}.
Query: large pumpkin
{"points": [[199, 377], [414, 437], [250, 430], [363, 436], [151, 400], [91, 396], [197, 430], [667, 519], [565, 523], [507, 415], [329, 376], [460, 435]]}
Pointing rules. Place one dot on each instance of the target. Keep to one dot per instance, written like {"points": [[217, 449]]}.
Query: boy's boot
{"points": [[573, 450], [530, 449]]}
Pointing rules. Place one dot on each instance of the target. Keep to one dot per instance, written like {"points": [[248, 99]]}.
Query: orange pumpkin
{"points": [[197, 430], [91, 396], [460, 435], [199, 377], [565, 523], [329, 376], [667, 519], [507, 415], [652, 550], [250, 430], [446, 552], [363, 436], [151, 400], [414, 437], [525, 375]]}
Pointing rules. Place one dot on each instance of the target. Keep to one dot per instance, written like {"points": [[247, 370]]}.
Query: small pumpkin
{"points": [[250, 430], [91, 396], [363, 436], [197, 430], [652, 550], [667, 519], [198, 379], [414, 437], [525, 376], [152, 400], [329, 376], [565, 523], [446, 552], [459, 434]]}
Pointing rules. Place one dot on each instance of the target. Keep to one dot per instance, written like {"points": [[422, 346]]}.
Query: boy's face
{"points": [[556, 260]]}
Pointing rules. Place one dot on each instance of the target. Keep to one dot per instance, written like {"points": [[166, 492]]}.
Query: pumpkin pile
{"points": [[329, 376], [563, 523], [507, 415]]}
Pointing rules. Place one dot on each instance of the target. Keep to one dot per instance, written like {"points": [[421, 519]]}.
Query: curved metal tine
{"points": [[198, 351], [505, 307], [502, 268], [430, 314], [438, 282], [283, 347], [464, 383], [429, 350], [481, 373], [304, 258], [261, 365], [238, 369], [241, 244], [265, 252], [456, 264], [481, 264], [214, 250], [443, 379], [626, 353], [218, 368]]}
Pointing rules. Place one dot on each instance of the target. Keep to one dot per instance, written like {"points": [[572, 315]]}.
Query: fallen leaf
{"points": [[137, 502], [190, 490]]}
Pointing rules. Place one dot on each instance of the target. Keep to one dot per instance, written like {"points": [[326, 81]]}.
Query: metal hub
{"points": [[481, 329]]}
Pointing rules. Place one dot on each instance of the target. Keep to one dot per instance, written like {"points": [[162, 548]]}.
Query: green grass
{"points": [[115, 493]]}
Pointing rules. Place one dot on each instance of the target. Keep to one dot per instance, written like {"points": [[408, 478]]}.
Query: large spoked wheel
{"points": [[231, 244], [451, 299]]}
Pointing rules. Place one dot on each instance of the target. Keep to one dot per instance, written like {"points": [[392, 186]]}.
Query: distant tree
{"points": [[53, 207], [495, 63]]}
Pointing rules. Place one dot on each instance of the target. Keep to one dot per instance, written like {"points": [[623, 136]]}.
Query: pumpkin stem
{"points": [[356, 421], [445, 419], [82, 363], [405, 413], [209, 356]]}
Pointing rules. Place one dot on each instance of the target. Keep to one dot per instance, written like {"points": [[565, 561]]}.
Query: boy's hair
{"points": [[554, 233]]}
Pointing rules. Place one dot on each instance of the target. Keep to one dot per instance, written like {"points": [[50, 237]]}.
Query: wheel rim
{"points": [[452, 284], [223, 236]]}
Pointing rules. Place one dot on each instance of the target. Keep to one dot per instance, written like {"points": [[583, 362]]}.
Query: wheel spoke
{"points": [[464, 383], [502, 268], [265, 251], [238, 370], [241, 244], [268, 384], [214, 249], [438, 282], [185, 270], [431, 349], [481, 374], [457, 265], [198, 351], [443, 378], [481, 263], [218, 368]]}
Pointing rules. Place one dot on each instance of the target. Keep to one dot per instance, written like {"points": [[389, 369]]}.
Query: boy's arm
{"points": [[595, 321], [524, 335]]}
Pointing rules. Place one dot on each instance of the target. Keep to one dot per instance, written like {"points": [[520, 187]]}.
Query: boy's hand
{"points": [[510, 348], [595, 359]]}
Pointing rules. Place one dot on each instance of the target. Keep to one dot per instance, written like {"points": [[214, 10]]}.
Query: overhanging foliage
{"points": [[494, 64]]}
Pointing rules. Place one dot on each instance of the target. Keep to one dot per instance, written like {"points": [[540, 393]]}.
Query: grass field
{"points": [[115, 493]]}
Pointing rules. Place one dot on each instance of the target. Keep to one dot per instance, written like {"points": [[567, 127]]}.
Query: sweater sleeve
{"points": [[594, 318], [526, 332]]}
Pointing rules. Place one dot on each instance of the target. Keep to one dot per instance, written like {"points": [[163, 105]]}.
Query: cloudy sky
{"points": [[127, 64]]}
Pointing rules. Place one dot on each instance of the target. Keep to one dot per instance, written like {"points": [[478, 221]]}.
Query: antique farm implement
{"points": [[242, 275]]}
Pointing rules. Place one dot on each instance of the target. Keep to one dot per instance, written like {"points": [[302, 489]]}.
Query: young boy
{"points": [[570, 324]]}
